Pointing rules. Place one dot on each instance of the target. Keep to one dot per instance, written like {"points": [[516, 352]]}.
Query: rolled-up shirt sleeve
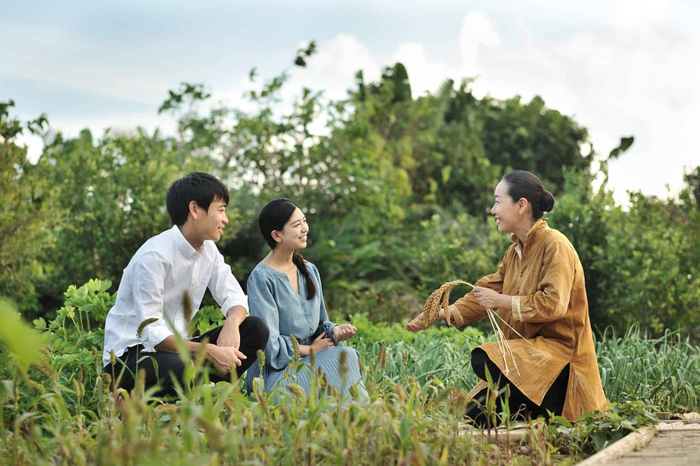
{"points": [[148, 299], [551, 300], [225, 288], [279, 350]]}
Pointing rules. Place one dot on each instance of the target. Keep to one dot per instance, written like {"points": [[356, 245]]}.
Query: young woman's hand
{"points": [[344, 332], [321, 343]]}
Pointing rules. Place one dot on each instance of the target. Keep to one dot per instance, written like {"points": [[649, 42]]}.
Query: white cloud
{"points": [[632, 77], [424, 75], [71, 127], [332, 69], [630, 15], [476, 36]]}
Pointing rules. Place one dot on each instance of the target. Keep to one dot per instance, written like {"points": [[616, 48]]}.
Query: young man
{"points": [[181, 260]]}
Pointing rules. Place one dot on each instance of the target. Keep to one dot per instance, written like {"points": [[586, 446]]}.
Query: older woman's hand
{"points": [[415, 327], [490, 299]]}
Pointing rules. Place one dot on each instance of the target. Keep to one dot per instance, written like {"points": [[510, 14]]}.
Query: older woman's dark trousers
{"points": [[517, 402]]}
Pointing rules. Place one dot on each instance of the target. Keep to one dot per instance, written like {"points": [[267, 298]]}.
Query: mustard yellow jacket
{"points": [[550, 310]]}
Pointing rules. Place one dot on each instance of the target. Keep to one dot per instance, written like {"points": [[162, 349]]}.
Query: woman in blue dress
{"points": [[285, 291]]}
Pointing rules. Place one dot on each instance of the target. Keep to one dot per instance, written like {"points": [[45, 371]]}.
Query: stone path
{"points": [[677, 443]]}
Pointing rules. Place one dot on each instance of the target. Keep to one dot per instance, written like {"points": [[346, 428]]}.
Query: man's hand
{"points": [[344, 332], [230, 335], [224, 359], [490, 299]]}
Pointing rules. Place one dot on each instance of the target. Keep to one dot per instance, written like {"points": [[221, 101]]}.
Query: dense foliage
{"points": [[396, 188]]}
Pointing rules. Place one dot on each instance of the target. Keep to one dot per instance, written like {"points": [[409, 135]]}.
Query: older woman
{"points": [[540, 291]]}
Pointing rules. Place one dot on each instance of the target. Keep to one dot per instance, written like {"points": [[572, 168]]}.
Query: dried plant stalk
{"points": [[431, 309], [441, 298]]}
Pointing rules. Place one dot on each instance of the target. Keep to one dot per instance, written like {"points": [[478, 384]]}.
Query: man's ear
{"points": [[194, 209]]}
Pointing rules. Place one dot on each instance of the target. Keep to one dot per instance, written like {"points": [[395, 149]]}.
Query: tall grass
{"points": [[65, 420], [663, 372]]}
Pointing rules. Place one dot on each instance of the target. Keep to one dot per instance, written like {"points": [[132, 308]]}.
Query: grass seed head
{"points": [[139, 331], [295, 345], [381, 359], [107, 379], [312, 357], [201, 353], [45, 368], [77, 389], [261, 360], [343, 366], [140, 383], [187, 308], [296, 390]]}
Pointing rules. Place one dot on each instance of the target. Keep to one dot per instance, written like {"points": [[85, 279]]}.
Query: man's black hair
{"points": [[200, 187]]}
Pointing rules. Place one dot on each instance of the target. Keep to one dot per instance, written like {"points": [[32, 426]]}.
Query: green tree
{"points": [[25, 209], [343, 175], [641, 263], [110, 199], [535, 138]]}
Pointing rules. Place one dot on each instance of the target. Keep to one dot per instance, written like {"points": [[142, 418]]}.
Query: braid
{"points": [[301, 265]]}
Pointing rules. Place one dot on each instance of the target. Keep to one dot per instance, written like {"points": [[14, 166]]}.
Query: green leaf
{"points": [[20, 339], [39, 323], [562, 420], [6, 387], [446, 172]]}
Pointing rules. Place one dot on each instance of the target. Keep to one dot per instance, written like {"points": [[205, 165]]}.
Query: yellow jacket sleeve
{"points": [[466, 309], [551, 299]]}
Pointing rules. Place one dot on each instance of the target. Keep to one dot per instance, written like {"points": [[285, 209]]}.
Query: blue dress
{"points": [[287, 312]]}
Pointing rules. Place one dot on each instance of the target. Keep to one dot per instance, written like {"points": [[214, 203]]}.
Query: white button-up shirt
{"points": [[153, 286]]}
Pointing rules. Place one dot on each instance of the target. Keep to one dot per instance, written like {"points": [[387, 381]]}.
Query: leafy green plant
{"points": [[595, 430], [662, 372]]}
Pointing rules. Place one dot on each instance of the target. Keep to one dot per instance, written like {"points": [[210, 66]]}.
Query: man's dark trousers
{"points": [[254, 336]]}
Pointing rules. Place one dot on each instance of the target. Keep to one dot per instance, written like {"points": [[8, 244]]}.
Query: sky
{"points": [[619, 68]]}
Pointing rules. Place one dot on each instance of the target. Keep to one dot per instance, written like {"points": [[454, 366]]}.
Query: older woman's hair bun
{"points": [[546, 201], [523, 184]]}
